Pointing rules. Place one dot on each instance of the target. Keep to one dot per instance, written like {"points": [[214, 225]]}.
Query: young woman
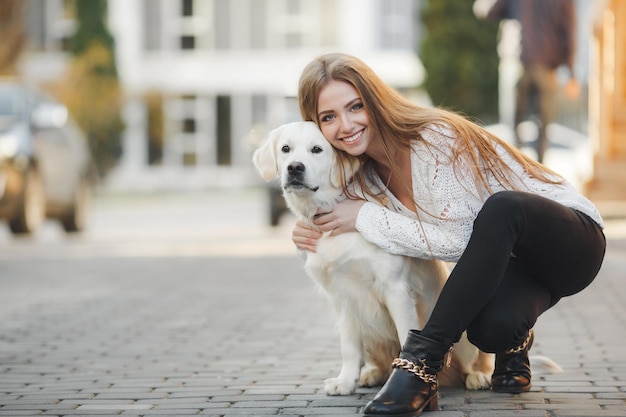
{"points": [[521, 236]]}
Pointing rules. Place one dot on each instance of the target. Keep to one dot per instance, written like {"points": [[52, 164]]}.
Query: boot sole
{"points": [[511, 390], [432, 405]]}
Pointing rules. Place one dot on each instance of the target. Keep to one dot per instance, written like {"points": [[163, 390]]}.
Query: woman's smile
{"points": [[354, 138]]}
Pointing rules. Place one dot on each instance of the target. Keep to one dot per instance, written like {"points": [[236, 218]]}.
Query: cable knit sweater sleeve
{"points": [[448, 203], [402, 235]]}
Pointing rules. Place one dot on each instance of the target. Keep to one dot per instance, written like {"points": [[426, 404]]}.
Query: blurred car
{"points": [[45, 164]]}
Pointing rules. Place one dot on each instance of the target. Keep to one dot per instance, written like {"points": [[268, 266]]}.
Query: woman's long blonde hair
{"points": [[398, 122]]}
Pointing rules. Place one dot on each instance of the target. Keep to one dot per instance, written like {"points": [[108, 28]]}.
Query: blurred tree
{"points": [[459, 54], [12, 35], [154, 105], [91, 88], [91, 16]]}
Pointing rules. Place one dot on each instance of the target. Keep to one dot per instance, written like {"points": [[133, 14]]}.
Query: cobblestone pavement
{"points": [[149, 315]]}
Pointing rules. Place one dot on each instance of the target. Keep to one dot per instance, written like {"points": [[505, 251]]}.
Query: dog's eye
{"points": [[285, 149], [316, 149]]}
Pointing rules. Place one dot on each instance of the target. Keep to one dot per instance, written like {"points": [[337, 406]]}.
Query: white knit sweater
{"points": [[451, 199]]}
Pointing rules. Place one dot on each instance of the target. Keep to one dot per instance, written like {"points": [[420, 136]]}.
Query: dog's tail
{"points": [[544, 363]]}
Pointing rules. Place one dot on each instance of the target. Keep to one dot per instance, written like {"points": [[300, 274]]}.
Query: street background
{"points": [[190, 304], [179, 298]]}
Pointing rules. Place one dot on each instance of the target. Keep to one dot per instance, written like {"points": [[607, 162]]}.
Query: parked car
{"points": [[45, 165]]}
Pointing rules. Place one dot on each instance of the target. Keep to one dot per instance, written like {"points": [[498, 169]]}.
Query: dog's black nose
{"points": [[295, 168]]}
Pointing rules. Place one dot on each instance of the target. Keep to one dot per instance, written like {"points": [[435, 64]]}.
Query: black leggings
{"points": [[525, 253]]}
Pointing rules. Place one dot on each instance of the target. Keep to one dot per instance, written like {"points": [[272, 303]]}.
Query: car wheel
{"points": [[31, 207], [75, 218]]}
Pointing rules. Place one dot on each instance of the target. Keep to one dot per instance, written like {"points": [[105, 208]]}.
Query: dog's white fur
{"points": [[378, 297]]}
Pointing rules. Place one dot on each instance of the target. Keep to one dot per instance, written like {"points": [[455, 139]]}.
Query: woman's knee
{"points": [[502, 211], [504, 203]]}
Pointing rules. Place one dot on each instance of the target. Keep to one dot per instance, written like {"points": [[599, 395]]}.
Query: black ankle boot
{"points": [[512, 373], [412, 386]]}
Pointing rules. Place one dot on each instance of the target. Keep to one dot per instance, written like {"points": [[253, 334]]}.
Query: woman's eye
{"points": [[316, 149], [327, 118], [357, 106], [285, 149]]}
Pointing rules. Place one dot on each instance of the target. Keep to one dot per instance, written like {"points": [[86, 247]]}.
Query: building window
{"points": [[187, 7], [189, 125], [190, 159], [224, 134], [258, 24], [294, 28], [183, 25], [153, 25], [222, 23], [187, 42], [50, 24], [194, 24], [183, 136], [259, 110], [294, 24], [187, 38], [397, 24]]}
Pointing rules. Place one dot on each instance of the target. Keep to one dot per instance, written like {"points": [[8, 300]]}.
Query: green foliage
{"points": [[90, 16], [95, 100], [91, 88], [460, 57]]}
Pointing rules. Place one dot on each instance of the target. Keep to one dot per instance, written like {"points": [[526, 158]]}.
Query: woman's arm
{"points": [[395, 232], [445, 239]]}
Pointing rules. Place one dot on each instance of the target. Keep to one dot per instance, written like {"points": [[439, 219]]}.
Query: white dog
{"points": [[378, 297]]}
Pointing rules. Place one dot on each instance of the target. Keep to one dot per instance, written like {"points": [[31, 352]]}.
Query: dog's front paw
{"points": [[371, 376], [478, 381], [337, 386]]}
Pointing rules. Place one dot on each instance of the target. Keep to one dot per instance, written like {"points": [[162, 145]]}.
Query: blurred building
{"points": [[206, 79], [608, 102]]}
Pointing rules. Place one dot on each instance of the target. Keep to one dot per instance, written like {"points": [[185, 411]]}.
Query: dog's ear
{"points": [[343, 168], [264, 158]]}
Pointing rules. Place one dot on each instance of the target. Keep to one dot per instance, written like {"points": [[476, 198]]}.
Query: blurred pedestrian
{"points": [[548, 41]]}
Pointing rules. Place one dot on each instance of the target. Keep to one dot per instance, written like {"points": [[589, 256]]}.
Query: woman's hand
{"points": [[341, 219], [305, 237]]}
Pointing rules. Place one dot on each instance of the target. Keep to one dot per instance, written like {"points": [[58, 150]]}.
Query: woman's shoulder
{"points": [[436, 140]]}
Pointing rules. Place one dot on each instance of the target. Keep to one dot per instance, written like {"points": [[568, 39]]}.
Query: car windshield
{"points": [[11, 108]]}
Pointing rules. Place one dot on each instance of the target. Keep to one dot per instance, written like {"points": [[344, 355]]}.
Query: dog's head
{"points": [[306, 164]]}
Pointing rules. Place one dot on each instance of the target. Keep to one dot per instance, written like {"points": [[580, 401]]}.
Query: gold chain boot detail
{"points": [[512, 374], [412, 385]]}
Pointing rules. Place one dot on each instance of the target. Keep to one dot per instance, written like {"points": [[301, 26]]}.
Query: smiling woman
{"points": [[522, 237]]}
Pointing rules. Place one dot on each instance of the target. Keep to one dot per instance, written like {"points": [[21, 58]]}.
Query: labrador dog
{"points": [[377, 297]]}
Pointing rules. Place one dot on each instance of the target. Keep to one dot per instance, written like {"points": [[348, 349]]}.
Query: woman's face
{"points": [[342, 117]]}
